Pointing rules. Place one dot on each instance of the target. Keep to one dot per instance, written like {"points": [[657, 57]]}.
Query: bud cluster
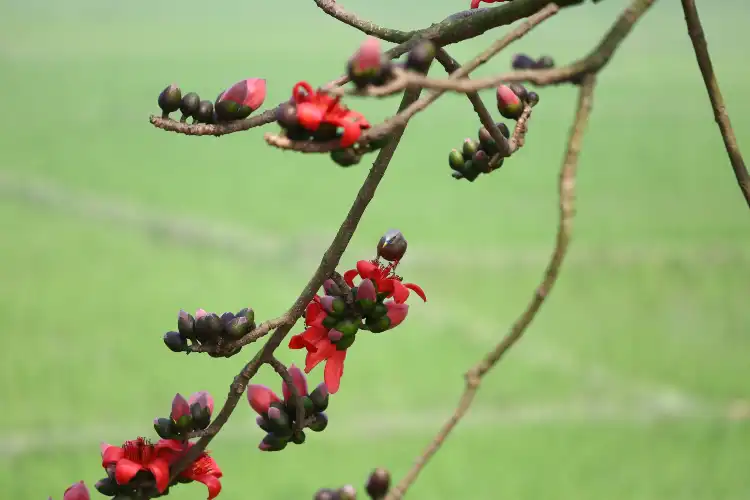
{"points": [[210, 330], [189, 415], [236, 103], [369, 66], [473, 158], [279, 417], [377, 487]]}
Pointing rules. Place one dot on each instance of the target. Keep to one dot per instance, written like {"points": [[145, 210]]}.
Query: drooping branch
{"points": [[566, 213], [402, 118], [698, 39], [327, 266]]}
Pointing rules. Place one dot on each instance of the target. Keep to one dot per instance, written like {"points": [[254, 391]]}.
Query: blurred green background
{"points": [[633, 383]]}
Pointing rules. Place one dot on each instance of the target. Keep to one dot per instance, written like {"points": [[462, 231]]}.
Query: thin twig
{"points": [[698, 38], [403, 117], [335, 10], [328, 264], [567, 213]]}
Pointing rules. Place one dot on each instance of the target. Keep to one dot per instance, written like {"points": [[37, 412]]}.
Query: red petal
{"points": [[325, 349], [318, 321], [125, 470], [417, 289], [312, 311], [386, 285], [297, 342], [334, 371], [212, 483], [111, 454], [160, 469], [367, 269], [171, 445], [349, 276], [400, 292], [475, 4]]}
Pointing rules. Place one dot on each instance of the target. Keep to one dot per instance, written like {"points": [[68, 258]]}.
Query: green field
{"points": [[628, 384]]}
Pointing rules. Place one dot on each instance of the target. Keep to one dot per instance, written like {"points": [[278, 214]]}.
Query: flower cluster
{"points": [[279, 417], [235, 103], [333, 319], [187, 415], [140, 468], [210, 329], [315, 114]]}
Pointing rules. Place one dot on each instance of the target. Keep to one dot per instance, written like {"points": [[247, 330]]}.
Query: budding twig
{"points": [[567, 212], [403, 117], [698, 39]]}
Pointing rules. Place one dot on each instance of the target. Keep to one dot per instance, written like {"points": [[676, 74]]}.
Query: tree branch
{"points": [[567, 212], [402, 118], [328, 264], [698, 38]]}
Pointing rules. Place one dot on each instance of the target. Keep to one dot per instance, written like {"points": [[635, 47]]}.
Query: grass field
{"points": [[625, 385]]}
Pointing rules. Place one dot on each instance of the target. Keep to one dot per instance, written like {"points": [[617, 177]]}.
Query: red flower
{"points": [[77, 491], [385, 279], [315, 108], [475, 3], [140, 455], [205, 470]]}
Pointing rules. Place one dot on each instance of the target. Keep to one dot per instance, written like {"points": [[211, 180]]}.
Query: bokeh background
{"points": [[633, 382]]}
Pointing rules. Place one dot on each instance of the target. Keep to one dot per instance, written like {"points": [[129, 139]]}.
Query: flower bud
{"points": [[503, 129], [519, 90], [260, 397], [286, 116], [189, 105], [347, 493], [185, 324], [164, 427], [481, 161], [456, 160], [335, 306], [365, 65], [272, 443], [396, 313], [248, 313], [469, 148], [334, 335], [544, 62], [77, 491], [238, 327], [345, 157], [180, 407], [367, 295], [522, 61], [319, 423], [532, 98], [378, 311], [279, 422], [345, 342], [379, 325], [331, 288], [470, 172], [319, 397], [175, 342], [326, 494], [107, 487], [299, 381], [378, 483], [241, 99], [298, 437], [421, 56], [347, 327], [204, 113], [263, 423], [170, 99], [201, 407], [508, 103]]}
